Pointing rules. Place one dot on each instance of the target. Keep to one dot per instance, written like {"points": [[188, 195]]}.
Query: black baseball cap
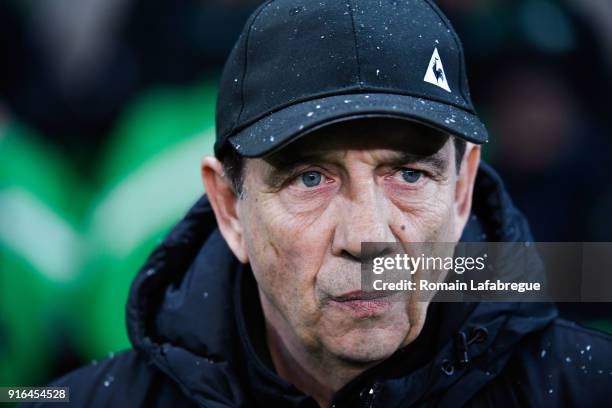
{"points": [[301, 65]]}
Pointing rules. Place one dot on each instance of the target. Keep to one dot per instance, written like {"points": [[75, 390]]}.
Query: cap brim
{"points": [[288, 124]]}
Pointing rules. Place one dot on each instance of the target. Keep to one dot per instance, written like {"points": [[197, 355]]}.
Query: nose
{"points": [[363, 217]]}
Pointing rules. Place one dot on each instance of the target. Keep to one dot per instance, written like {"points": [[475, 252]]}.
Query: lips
{"points": [[361, 295], [363, 304]]}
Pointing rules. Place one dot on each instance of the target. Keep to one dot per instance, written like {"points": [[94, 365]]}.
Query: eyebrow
{"points": [[284, 166], [438, 161]]}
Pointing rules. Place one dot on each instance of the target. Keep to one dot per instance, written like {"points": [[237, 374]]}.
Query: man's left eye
{"points": [[411, 175]]}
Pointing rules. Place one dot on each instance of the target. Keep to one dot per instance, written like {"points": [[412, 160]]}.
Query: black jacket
{"points": [[196, 327]]}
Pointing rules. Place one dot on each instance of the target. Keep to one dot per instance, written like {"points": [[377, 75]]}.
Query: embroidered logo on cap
{"points": [[435, 72]]}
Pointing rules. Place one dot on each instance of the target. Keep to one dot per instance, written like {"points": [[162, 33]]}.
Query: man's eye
{"points": [[311, 178], [410, 175]]}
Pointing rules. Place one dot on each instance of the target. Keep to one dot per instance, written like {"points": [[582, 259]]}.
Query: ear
{"points": [[465, 187], [225, 205]]}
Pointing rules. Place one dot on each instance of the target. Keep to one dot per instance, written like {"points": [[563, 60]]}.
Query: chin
{"points": [[364, 346]]}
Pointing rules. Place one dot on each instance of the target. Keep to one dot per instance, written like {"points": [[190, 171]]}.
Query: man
{"points": [[339, 123]]}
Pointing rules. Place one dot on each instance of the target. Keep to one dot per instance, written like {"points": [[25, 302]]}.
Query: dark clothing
{"points": [[196, 325]]}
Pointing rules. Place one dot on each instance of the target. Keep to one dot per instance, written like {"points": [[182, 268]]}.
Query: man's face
{"points": [[306, 210]]}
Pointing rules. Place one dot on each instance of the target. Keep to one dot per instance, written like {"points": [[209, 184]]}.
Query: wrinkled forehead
{"points": [[373, 134]]}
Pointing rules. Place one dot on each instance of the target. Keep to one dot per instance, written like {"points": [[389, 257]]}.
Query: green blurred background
{"points": [[69, 249], [107, 108]]}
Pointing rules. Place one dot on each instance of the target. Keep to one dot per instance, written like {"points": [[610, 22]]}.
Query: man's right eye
{"points": [[311, 178]]}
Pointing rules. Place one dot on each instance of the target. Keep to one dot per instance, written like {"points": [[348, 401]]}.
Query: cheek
{"points": [[287, 234], [285, 255], [423, 217]]}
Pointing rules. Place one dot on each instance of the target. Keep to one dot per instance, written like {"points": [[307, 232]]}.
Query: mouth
{"points": [[363, 304]]}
